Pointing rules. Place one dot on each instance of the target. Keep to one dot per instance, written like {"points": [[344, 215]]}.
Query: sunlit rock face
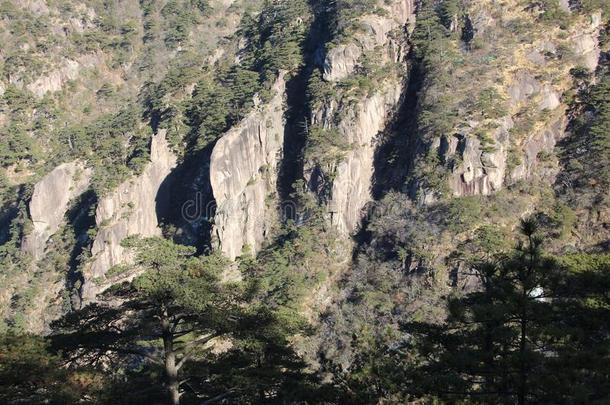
{"points": [[50, 202], [361, 121], [243, 174], [131, 209], [352, 183], [375, 32]]}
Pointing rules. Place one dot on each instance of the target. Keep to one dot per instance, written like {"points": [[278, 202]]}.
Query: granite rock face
{"points": [[361, 120], [374, 33], [50, 202], [243, 175], [353, 176], [130, 210], [483, 168], [55, 80], [586, 44]]}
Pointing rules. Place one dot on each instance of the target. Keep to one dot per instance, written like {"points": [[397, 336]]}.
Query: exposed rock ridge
{"points": [[375, 32], [50, 202], [360, 123], [243, 174], [484, 169], [352, 183], [130, 210]]}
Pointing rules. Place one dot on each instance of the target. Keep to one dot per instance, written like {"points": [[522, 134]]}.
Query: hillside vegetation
{"points": [[304, 201]]}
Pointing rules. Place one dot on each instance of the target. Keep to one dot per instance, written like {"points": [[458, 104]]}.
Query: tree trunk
{"points": [[171, 371]]}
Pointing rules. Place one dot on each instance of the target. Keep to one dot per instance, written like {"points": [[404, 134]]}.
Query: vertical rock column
{"points": [[243, 174], [363, 120], [129, 210], [50, 202]]}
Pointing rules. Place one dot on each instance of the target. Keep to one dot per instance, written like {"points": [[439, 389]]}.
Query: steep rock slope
{"points": [[243, 174], [500, 121], [496, 90], [353, 175], [341, 173], [50, 201], [374, 31], [129, 210]]}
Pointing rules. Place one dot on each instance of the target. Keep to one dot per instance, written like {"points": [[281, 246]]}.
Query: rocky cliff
{"points": [[374, 32], [519, 113], [243, 175], [359, 121], [50, 201], [129, 210], [353, 175]]}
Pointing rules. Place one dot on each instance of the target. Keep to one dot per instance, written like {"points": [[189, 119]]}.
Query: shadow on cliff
{"points": [[298, 100], [395, 153], [185, 203], [394, 157], [81, 218]]}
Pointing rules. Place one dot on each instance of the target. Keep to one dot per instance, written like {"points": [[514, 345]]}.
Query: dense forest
{"points": [[305, 202]]}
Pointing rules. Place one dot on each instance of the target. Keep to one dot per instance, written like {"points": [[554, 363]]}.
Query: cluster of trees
{"points": [[276, 37], [116, 144], [175, 334], [534, 330], [223, 94]]}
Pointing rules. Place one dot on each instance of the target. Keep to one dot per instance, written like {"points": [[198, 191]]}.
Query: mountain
{"points": [[350, 157]]}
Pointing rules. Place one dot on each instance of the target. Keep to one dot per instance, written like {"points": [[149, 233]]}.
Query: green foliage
{"points": [[491, 104], [275, 37], [172, 317], [587, 153], [347, 14], [31, 374], [525, 335], [287, 270], [449, 12], [326, 146], [115, 144], [178, 19], [438, 112], [489, 242], [461, 213], [218, 104], [16, 145]]}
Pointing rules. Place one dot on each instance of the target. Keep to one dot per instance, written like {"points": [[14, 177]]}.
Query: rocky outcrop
{"points": [[243, 174], [363, 119], [482, 168], [50, 202], [374, 33], [482, 152], [55, 80], [130, 210], [535, 146], [586, 44], [353, 176]]}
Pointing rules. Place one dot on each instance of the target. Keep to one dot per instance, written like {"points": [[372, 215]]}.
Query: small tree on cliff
{"points": [[165, 316]]}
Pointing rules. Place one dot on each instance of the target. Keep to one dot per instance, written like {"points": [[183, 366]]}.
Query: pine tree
{"points": [[178, 319], [166, 316], [493, 345]]}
